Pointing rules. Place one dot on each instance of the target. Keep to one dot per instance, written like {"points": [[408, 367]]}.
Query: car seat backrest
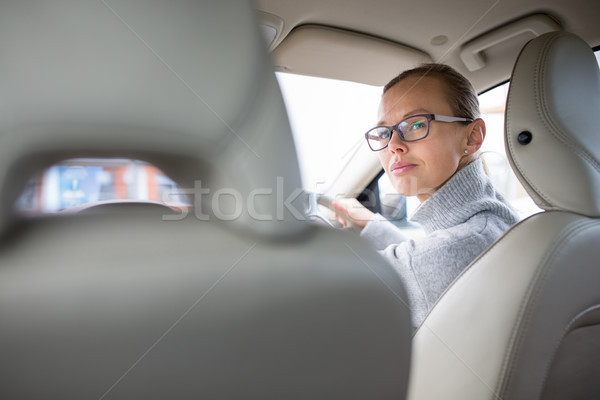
{"points": [[175, 85], [260, 305], [522, 321]]}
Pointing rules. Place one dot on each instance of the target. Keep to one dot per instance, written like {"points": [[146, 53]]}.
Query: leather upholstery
{"points": [[521, 322], [114, 78], [131, 305], [555, 95]]}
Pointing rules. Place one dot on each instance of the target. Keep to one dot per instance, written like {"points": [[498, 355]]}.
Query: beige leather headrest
{"points": [[189, 90], [552, 123]]}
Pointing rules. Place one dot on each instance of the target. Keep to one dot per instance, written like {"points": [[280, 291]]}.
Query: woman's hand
{"points": [[351, 210]]}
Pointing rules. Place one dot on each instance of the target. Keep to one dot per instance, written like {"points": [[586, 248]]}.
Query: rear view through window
{"points": [[77, 182]]}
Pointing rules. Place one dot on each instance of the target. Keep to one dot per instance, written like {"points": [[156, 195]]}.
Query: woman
{"points": [[428, 139]]}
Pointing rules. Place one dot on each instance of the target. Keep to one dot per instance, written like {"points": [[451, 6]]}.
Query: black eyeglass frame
{"points": [[429, 117]]}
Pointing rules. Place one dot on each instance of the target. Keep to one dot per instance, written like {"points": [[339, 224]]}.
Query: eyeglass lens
{"points": [[411, 129]]}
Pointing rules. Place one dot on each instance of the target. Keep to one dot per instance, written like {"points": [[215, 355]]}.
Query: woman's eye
{"points": [[384, 135], [417, 125], [379, 136]]}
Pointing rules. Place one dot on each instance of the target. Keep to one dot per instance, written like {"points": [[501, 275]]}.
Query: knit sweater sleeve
{"points": [[381, 233]]}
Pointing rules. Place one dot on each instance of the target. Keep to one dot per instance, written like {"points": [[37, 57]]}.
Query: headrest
{"points": [[552, 128], [187, 86]]}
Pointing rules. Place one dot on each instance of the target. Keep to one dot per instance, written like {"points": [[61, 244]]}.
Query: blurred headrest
{"points": [[552, 127], [187, 86]]}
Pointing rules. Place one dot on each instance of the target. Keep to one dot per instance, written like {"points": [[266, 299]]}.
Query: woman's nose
{"points": [[396, 145]]}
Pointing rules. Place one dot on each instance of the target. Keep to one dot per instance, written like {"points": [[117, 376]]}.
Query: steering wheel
{"points": [[314, 213]]}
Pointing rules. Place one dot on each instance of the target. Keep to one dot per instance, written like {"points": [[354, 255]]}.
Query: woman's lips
{"points": [[400, 168]]}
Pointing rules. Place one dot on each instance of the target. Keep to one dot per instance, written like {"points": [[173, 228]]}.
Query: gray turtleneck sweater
{"points": [[461, 219]]}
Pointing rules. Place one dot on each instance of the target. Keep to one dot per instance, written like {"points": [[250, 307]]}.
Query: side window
{"points": [[492, 104]]}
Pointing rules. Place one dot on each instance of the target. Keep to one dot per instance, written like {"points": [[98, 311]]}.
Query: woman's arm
{"points": [[351, 210], [377, 230]]}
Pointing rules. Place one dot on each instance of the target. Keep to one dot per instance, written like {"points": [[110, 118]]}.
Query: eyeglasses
{"points": [[411, 129]]}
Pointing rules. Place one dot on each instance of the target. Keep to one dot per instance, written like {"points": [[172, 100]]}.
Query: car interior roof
{"points": [[441, 30]]}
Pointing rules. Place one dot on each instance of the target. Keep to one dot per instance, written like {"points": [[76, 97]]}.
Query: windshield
{"points": [[329, 119]]}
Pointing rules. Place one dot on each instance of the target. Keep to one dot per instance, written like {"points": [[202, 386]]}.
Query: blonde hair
{"points": [[460, 93]]}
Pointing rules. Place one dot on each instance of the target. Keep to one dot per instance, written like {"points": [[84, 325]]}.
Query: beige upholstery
{"points": [[132, 305], [523, 321], [560, 168]]}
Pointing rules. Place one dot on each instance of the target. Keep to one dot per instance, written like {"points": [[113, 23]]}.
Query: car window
{"points": [[76, 182], [328, 118]]}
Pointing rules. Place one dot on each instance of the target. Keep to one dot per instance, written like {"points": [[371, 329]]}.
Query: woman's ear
{"points": [[475, 135]]}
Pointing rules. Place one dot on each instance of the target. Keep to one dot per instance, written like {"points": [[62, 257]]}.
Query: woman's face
{"points": [[420, 168]]}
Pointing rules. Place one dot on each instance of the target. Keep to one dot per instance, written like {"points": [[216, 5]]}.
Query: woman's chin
{"points": [[406, 192], [421, 193]]}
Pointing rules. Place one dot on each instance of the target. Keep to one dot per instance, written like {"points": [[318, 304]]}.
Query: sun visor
{"points": [[339, 54]]}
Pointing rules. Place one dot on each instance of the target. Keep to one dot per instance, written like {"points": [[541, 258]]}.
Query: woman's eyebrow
{"points": [[416, 111], [408, 114]]}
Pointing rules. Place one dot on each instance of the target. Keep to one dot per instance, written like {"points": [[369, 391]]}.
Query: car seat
{"points": [[241, 298], [523, 320]]}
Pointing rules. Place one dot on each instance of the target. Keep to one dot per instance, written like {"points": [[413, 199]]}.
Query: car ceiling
{"points": [[415, 24]]}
